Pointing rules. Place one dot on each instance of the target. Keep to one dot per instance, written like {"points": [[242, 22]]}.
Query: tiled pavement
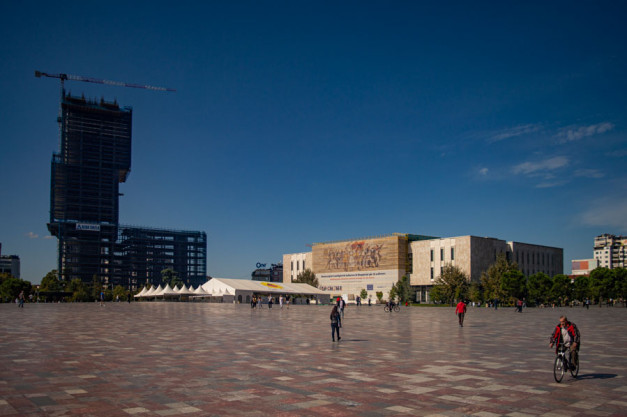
{"points": [[199, 359]]}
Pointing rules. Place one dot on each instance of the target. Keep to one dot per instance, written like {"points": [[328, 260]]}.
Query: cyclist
{"points": [[566, 332]]}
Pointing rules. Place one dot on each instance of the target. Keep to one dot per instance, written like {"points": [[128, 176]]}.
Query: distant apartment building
{"points": [[375, 264], [610, 251]]}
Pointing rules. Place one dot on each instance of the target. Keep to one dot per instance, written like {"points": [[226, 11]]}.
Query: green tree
{"points": [[538, 287], [438, 294], [11, 288], [581, 288], [79, 290], [171, 277], [379, 295], [514, 284], [392, 294], [403, 290], [475, 292], [492, 278], [363, 294], [96, 287], [560, 291], [307, 277], [620, 282], [51, 282], [601, 283], [120, 291], [452, 284]]}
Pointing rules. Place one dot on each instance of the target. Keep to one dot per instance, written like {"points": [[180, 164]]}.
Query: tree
{"points": [[475, 292], [492, 278], [171, 277], [538, 287], [581, 288], [96, 287], [620, 283], [307, 277], [392, 294], [120, 291], [452, 284], [438, 295], [379, 295], [514, 284], [51, 283], [11, 288], [403, 290], [363, 294], [601, 283], [79, 290], [560, 291]]}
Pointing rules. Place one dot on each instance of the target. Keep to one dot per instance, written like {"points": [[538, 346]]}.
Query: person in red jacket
{"points": [[566, 332], [461, 311]]}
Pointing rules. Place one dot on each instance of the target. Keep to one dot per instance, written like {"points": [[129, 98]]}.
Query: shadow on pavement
{"points": [[597, 376]]}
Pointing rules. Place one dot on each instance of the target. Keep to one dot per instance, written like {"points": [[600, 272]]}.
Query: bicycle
{"points": [[562, 363], [387, 308]]}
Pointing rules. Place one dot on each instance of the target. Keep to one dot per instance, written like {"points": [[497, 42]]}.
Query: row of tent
{"points": [[169, 291]]}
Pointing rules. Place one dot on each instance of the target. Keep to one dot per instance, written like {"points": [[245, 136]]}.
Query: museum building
{"points": [[377, 263]]}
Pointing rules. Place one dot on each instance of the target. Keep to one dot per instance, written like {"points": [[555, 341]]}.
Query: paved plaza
{"points": [[201, 359]]}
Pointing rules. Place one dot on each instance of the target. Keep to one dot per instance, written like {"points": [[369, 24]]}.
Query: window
{"points": [[441, 254], [432, 260], [297, 265], [452, 254], [303, 265], [431, 271], [292, 266]]}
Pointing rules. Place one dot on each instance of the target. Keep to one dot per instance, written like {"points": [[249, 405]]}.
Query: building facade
{"points": [[144, 252], [10, 264], [473, 255], [376, 264], [583, 266], [610, 251], [272, 274], [94, 158]]}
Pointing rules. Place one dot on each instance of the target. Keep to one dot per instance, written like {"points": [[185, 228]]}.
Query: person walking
{"points": [[335, 323], [101, 298], [281, 301], [21, 299], [460, 310], [269, 302]]}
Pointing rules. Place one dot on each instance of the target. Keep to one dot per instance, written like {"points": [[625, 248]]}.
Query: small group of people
{"points": [[257, 301]]}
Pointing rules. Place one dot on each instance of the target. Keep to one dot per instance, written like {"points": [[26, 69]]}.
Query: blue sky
{"points": [[308, 121]]}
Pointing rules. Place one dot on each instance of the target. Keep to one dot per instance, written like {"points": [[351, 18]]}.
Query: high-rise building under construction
{"points": [[95, 157]]}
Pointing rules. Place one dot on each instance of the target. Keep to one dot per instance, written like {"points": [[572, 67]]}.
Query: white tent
{"points": [[242, 289], [167, 291], [200, 291], [153, 291], [186, 290], [141, 293]]}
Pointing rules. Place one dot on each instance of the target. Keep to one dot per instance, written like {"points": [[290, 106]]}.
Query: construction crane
{"points": [[71, 77], [64, 77]]}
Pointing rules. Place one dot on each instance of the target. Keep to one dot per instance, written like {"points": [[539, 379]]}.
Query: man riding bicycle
{"points": [[567, 333]]}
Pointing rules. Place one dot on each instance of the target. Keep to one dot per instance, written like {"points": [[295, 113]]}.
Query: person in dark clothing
{"points": [[335, 323]]}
